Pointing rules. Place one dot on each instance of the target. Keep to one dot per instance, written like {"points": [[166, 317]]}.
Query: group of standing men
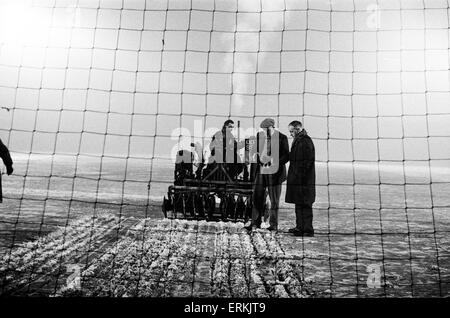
{"points": [[272, 155], [269, 172]]}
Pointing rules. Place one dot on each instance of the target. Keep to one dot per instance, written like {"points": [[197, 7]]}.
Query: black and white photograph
{"points": [[225, 149]]}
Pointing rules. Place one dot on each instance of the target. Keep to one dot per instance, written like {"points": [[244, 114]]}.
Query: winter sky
{"points": [[369, 80]]}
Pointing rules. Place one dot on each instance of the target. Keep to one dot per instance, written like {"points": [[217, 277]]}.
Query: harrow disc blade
{"points": [[240, 208], [200, 205], [210, 206], [166, 206], [178, 204], [223, 208], [230, 207], [188, 201]]}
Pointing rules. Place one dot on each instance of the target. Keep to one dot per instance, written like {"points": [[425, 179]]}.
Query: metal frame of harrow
{"points": [[194, 192]]}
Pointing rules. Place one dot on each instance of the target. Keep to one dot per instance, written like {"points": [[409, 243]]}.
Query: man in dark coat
{"points": [[224, 146], [271, 157], [301, 180], [6, 157], [225, 150]]}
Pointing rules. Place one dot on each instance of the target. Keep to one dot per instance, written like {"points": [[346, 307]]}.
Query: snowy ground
{"points": [[177, 258], [106, 224]]}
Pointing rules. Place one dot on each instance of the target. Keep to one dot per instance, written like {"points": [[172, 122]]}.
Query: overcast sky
{"points": [[107, 79]]}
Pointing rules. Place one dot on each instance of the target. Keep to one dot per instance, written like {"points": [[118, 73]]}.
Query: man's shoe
{"points": [[249, 227], [308, 234], [265, 225], [297, 232], [294, 229], [252, 227], [272, 228]]}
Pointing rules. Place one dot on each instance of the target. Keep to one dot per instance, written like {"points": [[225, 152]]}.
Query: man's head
{"points": [[268, 124], [295, 127], [228, 125]]}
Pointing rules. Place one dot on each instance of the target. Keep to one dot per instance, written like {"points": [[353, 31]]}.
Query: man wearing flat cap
{"points": [[272, 156]]}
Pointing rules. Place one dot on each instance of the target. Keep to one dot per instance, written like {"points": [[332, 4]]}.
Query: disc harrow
{"points": [[213, 192]]}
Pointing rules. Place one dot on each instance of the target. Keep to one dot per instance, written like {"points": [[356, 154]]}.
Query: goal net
{"points": [[96, 97]]}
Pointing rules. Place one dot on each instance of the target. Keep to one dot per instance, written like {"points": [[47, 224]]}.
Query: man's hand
{"points": [[9, 170], [265, 159]]}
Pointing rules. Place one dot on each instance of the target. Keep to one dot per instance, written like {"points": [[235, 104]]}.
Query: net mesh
{"points": [[96, 95]]}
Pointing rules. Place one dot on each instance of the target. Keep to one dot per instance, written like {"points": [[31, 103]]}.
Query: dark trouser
{"points": [[259, 199], [304, 218]]}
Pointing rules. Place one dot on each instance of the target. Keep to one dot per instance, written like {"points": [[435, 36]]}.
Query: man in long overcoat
{"points": [[270, 170], [6, 157], [301, 179]]}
